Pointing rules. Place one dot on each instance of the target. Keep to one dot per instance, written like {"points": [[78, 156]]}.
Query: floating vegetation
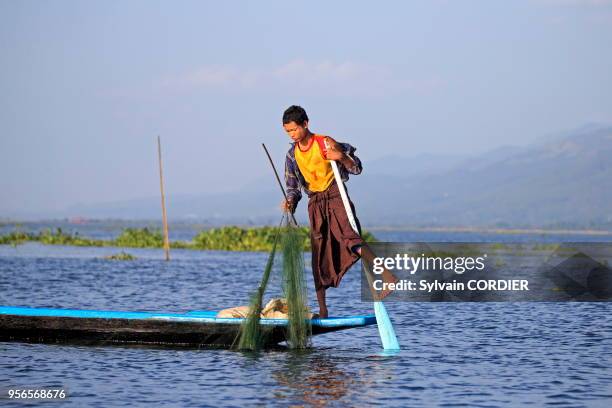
{"points": [[60, 238], [229, 238], [15, 238], [140, 238], [237, 239], [49, 237], [121, 256], [252, 239]]}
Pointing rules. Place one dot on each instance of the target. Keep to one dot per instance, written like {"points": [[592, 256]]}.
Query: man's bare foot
{"points": [[323, 314], [387, 277]]}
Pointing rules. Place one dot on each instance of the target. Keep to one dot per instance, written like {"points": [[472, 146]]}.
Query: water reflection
{"points": [[311, 377]]}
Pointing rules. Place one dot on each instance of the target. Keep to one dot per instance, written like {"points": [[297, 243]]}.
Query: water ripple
{"points": [[453, 354]]}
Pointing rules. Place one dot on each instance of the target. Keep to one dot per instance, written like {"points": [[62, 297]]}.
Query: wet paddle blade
{"points": [[385, 328]]}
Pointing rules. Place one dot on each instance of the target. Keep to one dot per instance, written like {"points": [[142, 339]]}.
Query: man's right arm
{"points": [[293, 186]]}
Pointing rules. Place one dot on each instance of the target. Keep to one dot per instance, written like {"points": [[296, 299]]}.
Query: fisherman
{"points": [[335, 245]]}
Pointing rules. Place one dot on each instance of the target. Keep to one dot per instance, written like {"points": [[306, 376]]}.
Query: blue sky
{"points": [[87, 86]]}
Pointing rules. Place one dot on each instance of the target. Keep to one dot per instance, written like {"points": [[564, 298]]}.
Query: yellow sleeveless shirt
{"points": [[315, 168]]}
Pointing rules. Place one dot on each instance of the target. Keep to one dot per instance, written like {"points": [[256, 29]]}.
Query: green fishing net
{"points": [[299, 331]]}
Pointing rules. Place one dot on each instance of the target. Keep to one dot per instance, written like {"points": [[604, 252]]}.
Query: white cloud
{"points": [[346, 77], [326, 71], [205, 77]]}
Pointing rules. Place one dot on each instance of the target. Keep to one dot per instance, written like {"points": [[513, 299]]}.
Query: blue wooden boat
{"points": [[198, 328]]}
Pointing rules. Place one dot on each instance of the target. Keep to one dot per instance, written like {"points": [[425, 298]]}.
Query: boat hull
{"points": [[191, 329]]}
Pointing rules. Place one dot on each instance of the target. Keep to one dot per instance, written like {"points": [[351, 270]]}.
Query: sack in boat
{"points": [[276, 308]]}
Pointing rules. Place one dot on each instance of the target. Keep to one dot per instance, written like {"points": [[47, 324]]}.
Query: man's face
{"points": [[296, 132]]}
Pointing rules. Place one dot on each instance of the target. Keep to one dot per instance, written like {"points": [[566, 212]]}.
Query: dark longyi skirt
{"points": [[331, 237]]}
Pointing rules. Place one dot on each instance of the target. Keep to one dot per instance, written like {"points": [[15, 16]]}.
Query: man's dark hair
{"points": [[295, 114]]}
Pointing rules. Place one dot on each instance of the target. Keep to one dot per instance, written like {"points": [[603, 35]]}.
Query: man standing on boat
{"points": [[335, 245]]}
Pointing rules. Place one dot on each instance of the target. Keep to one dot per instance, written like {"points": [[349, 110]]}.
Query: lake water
{"points": [[453, 354]]}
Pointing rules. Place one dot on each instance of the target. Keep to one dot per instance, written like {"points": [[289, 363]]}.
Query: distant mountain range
{"points": [[561, 182], [564, 181]]}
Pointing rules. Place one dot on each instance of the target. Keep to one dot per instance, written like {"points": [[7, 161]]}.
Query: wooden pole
{"points": [[163, 202]]}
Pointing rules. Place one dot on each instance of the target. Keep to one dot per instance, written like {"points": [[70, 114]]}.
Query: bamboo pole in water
{"points": [[163, 202]]}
